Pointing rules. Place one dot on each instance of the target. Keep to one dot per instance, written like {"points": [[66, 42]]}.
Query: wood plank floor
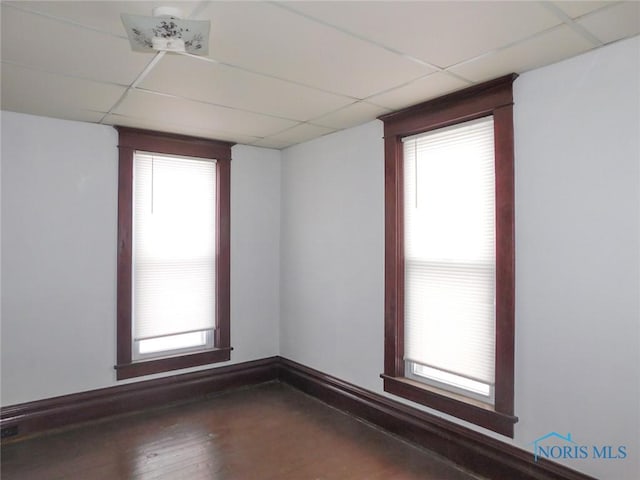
{"points": [[268, 432]]}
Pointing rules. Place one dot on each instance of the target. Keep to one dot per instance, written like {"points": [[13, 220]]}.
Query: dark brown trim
{"points": [[472, 102], [147, 367], [68, 410], [125, 214], [130, 140], [476, 413], [505, 258], [471, 450], [223, 260], [173, 144], [490, 98], [394, 264]]}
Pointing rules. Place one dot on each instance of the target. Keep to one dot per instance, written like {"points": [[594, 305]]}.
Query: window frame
{"points": [[495, 98], [130, 140]]}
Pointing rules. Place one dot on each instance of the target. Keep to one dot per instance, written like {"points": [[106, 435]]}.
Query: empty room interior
{"points": [[320, 240]]}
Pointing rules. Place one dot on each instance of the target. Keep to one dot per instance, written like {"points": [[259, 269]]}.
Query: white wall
{"points": [[577, 129], [59, 218], [577, 132], [255, 253], [332, 251]]}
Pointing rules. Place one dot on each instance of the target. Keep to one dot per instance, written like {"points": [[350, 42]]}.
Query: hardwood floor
{"points": [[268, 432]]}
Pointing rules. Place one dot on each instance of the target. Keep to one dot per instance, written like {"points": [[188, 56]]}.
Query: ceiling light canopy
{"points": [[167, 31]]}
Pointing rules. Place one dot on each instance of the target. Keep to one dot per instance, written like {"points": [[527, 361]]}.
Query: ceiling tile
{"points": [[550, 47], [160, 108], [269, 39], [355, 114], [614, 23], [270, 143], [420, 90], [163, 125], [215, 83], [436, 32], [329, 65], [100, 15], [577, 9], [57, 47], [31, 91], [298, 134]]}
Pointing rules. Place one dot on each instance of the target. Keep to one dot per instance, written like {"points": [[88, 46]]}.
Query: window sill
{"points": [[473, 411], [148, 367]]}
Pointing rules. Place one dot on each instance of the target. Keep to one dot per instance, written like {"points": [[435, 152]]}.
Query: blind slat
{"points": [[449, 204], [174, 245]]}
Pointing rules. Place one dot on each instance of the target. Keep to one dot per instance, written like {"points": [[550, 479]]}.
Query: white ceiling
{"points": [[280, 73]]}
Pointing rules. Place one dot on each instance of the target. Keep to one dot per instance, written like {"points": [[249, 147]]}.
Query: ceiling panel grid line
{"points": [[281, 73], [20, 6], [576, 27], [402, 54]]}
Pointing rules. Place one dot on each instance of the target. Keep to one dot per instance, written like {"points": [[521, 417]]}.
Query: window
{"points": [[173, 252], [449, 254], [449, 258]]}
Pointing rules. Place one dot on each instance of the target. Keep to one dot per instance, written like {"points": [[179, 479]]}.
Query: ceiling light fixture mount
{"points": [[167, 31]]}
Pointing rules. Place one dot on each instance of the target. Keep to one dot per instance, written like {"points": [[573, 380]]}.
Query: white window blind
{"points": [[174, 247], [449, 208]]}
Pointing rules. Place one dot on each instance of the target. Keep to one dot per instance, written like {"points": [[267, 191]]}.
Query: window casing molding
{"points": [[130, 140], [490, 98]]}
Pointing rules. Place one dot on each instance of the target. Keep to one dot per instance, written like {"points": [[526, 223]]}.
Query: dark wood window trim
{"points": [[129, 141], [490, 98]]}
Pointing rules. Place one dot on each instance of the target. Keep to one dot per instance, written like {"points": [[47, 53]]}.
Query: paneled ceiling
{"points": [[280, 73]]}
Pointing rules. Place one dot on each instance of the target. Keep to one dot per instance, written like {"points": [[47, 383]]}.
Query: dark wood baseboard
{"points": [[471, 450], [65, 411]]}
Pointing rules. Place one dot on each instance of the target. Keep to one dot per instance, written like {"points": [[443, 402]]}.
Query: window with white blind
{"points": [[449, 254], [173, 252], [174, 256], [449, 257]]}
